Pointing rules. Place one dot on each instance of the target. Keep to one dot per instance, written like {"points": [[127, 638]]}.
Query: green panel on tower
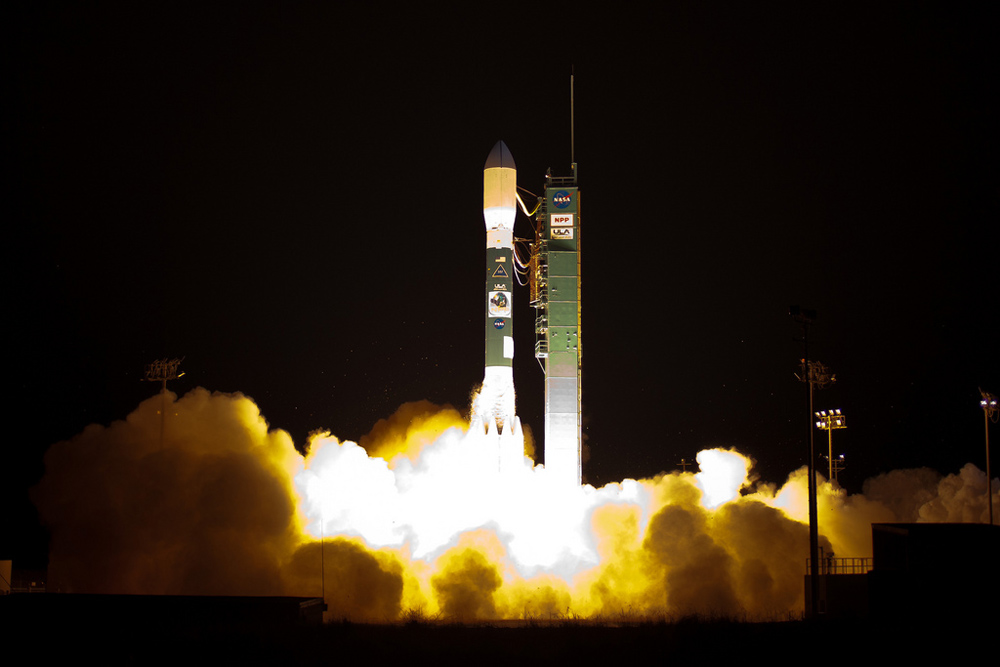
{"points": [[556, 295]]}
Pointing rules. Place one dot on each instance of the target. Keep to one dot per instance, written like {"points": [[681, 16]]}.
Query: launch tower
{"points": [[555, 294]]}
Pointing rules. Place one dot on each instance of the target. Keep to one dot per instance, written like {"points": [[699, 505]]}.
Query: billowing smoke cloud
{"points": [[209, 512], [411, 428], [363, 585], [465, 584], [217, 503], [922, 494]]}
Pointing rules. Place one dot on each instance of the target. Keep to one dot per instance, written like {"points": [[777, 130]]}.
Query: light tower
{"points": [[162, 370], [829, 421], [990, 411]]}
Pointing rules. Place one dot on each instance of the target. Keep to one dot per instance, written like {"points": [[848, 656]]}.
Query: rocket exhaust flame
{"points": [[227, 506]]}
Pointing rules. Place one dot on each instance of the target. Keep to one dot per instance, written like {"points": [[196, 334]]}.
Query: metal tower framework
{"points": [[555, 294]]}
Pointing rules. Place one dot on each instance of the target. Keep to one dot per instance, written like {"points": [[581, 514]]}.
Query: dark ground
{"points": [[139, 639]]}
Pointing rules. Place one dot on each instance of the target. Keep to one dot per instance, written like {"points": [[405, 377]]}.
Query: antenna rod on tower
{"points": [[572, 129]]}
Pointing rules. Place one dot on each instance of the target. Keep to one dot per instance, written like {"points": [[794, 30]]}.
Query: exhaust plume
{"points": [[409, 524]]}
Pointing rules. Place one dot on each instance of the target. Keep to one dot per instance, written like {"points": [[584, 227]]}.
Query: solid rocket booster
{"points": [[499, 210]]}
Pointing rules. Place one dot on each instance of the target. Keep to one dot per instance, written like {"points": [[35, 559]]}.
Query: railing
{"points": [[569, 181], [841, 566]]}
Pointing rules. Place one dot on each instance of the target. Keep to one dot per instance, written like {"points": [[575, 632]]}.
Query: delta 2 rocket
{"points": [[499, 210]]}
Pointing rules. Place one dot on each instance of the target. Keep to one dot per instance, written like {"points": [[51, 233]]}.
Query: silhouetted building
{"points": [[917, 570], [933, 568]]}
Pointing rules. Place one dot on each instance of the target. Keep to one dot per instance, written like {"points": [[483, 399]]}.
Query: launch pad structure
{"points": [[555, 294], [553, 272]]}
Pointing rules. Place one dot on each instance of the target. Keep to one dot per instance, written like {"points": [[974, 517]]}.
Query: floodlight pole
{"points": [[322, 563], [838, 466], [829, 421], [805, 318], [162, 370], [990, 412]]}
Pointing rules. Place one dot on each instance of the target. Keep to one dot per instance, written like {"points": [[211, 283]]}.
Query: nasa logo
{"points": [[562, 199], [498, 323]]}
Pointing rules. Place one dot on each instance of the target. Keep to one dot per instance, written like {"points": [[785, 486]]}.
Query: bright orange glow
{"points": [[227, 506]]}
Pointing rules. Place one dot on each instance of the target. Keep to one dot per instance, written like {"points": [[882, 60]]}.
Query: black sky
{"points": [[291, 200]]}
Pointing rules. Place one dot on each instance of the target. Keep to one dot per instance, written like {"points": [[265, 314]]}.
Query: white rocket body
{"points": [[494, 407]]}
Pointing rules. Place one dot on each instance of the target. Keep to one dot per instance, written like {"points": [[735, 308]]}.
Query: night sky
{"points": [[291, 200]]}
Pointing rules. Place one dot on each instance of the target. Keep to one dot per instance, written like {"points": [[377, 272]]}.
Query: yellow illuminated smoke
{"points": [[411, 527]]}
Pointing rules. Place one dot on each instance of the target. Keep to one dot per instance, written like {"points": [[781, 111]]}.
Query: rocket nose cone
{"points": [[500, 157]]}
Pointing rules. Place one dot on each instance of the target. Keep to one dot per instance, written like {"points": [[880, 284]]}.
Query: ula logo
{"points": [[561, 199]]}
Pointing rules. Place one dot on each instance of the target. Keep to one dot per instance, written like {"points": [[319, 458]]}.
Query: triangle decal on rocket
{"points": [[501, 272]]}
